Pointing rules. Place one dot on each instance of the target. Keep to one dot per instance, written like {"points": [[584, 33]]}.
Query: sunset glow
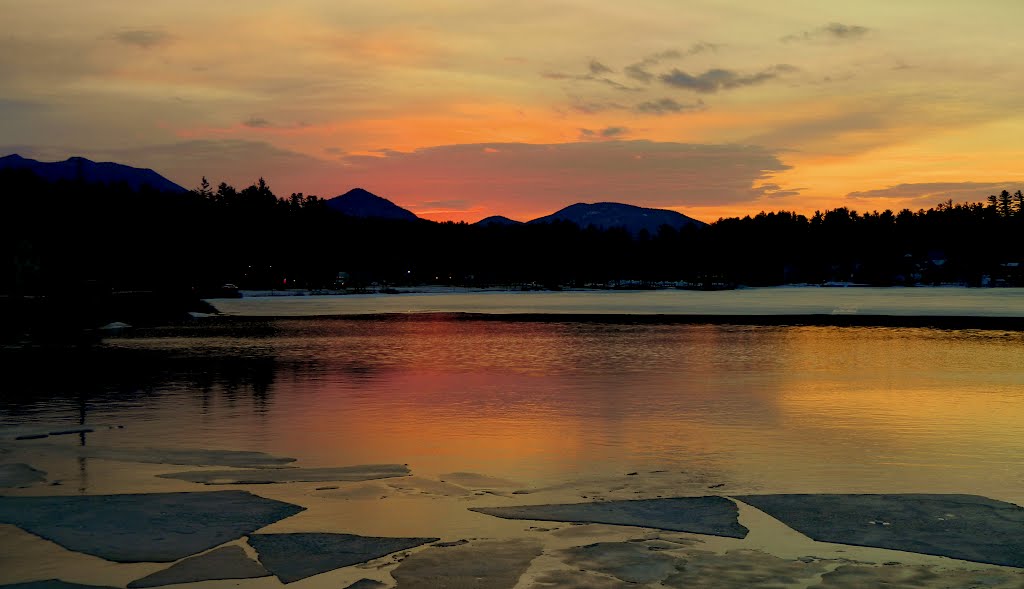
{"points": [[459, 110]]}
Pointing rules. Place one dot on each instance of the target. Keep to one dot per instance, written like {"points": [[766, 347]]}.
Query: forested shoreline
{"points": [[68, 236]]}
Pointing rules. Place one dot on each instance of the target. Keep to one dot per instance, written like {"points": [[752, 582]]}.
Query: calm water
{"points": [[771, 408]]}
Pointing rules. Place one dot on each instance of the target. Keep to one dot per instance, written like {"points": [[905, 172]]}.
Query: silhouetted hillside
{"points": [[364, 204], [497, 220], [79, 168], [606, 215]]}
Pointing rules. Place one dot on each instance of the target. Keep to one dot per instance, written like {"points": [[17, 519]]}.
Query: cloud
{"points": [[597, 68], [589, 106], [614, 131], [772, 190], [257, 123], [144, 38], [603, 134], [639, 70], [717, 79], [588, 78], [448, 205], [702, 47], [833, 30], [927, 194], [597, 73], [846, 31], [666, 106], [262, 123]]}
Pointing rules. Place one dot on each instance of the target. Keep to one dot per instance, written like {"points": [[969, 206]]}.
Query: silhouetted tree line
{"points": [[77, 237]]}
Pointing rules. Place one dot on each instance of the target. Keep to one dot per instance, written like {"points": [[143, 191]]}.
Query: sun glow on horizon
{"points": [[728, 108]]}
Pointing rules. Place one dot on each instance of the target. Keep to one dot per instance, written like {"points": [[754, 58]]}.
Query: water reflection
{"points": [[787, 408]]}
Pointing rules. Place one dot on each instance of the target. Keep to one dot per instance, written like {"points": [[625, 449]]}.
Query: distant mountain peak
{"points": [[605, 215], [497, 220], [358, 191], [360, 202], [80, 168]]}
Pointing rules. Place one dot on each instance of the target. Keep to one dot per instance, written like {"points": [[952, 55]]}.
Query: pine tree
{"points": [[204, 188], [1005, 203]]}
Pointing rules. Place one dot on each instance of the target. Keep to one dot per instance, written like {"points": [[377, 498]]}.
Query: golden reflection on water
{"points": [[780, 409]]}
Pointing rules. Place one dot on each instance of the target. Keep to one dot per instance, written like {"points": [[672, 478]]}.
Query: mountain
{"points": [[79, 168], [605, 215], [497, 220], [361, 203]]}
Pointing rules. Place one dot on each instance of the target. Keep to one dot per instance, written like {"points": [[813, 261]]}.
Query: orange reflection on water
{"points": [[778, 408]]}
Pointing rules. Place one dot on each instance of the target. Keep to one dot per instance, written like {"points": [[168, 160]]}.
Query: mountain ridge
{"points": [[606, 215], [497, 220], [360, 202], [80, 168]]}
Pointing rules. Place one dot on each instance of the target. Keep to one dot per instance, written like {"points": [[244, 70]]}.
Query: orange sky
{"points": [[459, 110]]}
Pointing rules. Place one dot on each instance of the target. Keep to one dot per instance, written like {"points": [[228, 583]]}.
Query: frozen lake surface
{"points": [[503, 413], [942, 301]]}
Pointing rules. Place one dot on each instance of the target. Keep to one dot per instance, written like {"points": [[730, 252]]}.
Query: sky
{"points": [[461, 109]]}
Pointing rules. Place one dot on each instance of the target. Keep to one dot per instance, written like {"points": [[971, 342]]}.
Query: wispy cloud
{"points": [[717, 79], [257, 123], [444, 205], [588, 78], [926, 194], [834, 30], [772, 190], [145, 38], [590, 106], [597, 72], [640, 70], [666, 106], [606, 134], [597, 68]]}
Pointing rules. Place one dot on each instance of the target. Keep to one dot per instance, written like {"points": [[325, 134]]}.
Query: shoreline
{"points": [[940, 307], [945, 322]]}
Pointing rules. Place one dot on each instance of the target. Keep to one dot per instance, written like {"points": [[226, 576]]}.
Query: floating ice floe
{"points": [[968, 527], [53, 584], [711, 515], [184, 456], [227, 562], [150, 527], [293, 557], [487, 564], [364, 472]]}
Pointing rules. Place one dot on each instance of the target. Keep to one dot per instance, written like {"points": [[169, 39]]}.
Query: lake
{"points": [[556, 404]]}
